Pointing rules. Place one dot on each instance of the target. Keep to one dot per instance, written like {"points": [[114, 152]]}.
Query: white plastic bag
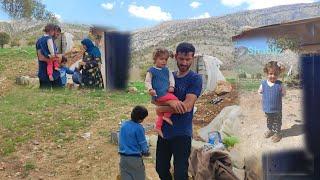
{"points": [[212, 65]]}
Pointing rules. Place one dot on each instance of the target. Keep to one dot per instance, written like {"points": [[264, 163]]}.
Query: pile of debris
{"points": [[210, 104]]}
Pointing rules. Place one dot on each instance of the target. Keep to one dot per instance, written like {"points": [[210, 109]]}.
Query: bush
{"points": [[15, 43], [31, 42], [4, 39], [242, 75], [230, 141]]}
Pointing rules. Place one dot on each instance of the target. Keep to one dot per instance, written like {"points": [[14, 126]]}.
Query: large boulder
{"points": [[27, 81], [223, 87], [227, 123]]}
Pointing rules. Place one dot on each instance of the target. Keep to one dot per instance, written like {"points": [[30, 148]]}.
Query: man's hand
{"points": [[152, 92], [171, 89], [178, 106], [81, 63]]}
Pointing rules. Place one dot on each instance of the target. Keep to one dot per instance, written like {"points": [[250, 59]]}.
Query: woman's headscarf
{"points": [[91, 48]]}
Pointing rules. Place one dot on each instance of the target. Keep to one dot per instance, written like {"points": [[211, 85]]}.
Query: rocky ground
{"points": [[253, 125]]}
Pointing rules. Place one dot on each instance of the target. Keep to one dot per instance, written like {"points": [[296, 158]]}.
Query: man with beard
{"points": [[177, 137]]}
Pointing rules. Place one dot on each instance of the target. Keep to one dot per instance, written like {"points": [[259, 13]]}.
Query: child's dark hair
{"points": [[185, 48], [278, 67], [161, 51], [139, 113], [64, 59], [49, 27]]}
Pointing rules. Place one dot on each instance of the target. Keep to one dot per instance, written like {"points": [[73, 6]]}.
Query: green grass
{"points": [[231, 80], [249, 84], [53, 115], [58, 115], [12, 56], [29, 166]]}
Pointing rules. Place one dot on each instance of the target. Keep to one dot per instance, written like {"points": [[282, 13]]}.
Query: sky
{"points": [[127, 15]]}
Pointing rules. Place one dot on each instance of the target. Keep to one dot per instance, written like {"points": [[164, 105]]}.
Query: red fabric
{"points": [[159, 120], [52, 64]]}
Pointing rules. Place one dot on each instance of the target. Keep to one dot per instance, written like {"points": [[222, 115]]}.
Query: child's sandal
{"points": [[276, 137]]}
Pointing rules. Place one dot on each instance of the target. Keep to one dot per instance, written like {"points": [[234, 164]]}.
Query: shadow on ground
{"points": [[295, 130]]}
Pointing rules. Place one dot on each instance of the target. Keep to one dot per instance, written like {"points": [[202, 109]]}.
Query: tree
{"points": [[284, 43], [15, 42], [4, 39], [18, 9]]}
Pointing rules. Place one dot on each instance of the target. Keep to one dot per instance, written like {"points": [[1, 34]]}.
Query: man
{"points": [[60, 41], [177, 137], [45, 45]]}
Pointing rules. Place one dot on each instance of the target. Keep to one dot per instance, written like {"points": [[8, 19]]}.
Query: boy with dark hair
{"points": [[64, 70], [133, 145]]}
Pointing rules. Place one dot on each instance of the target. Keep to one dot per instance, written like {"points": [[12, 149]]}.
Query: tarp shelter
{"points": [[307, 32], [207, 67]]}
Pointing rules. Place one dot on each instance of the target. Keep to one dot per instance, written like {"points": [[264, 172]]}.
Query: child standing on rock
{"points": [[272, 91]]}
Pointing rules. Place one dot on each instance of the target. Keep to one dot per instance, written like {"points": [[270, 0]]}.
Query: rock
{"points": [[132, 89], [35, 142], [2, 166], [26, 80], [237, 158], [240, 173], [114, 137], [227, 122], [86, 135], [223, 87]]}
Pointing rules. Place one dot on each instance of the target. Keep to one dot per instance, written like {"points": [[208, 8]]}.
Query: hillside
{"points": [[212, 36], [31, 29]]}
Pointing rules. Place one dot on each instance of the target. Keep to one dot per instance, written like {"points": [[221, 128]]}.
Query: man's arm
{"points": [[41, 57], [51, 48], [176, 106]]}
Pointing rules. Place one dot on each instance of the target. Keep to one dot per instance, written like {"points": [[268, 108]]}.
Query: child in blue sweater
{"points": [[272, 91], [160, 84], [64, 70], [133, 145]]}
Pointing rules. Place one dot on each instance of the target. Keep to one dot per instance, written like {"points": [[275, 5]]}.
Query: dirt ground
{"points": [[253, 126], [97, 158], [207, 111]]}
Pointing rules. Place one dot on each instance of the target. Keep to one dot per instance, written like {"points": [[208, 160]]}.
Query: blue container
{"points": [[214, 138]]}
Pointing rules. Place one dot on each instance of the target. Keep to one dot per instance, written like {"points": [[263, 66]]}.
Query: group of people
{"points": [[52, 63], [175, 94]]}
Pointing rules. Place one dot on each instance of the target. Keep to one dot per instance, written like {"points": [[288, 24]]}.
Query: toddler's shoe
{"points": [[268, 134], [276, 137]]}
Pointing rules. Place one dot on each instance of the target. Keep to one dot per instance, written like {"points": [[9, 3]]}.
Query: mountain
{"points": [[25, 29], [212, 36]]}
